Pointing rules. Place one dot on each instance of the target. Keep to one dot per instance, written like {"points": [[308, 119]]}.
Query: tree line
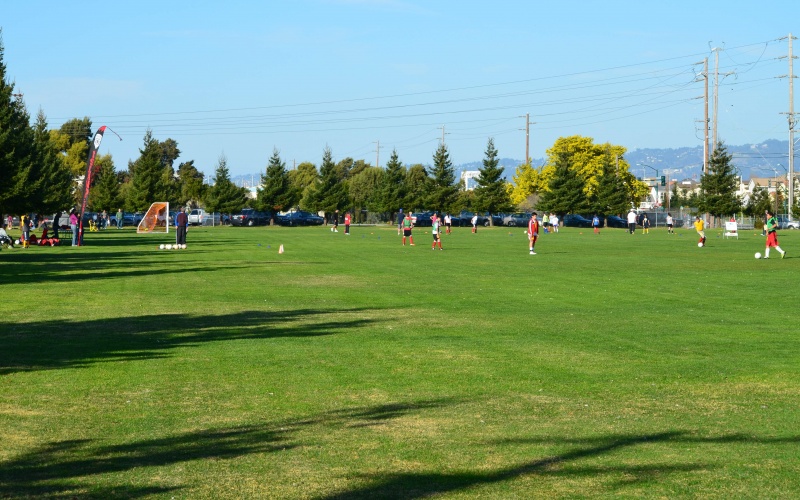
{"points": [[41, 171]]}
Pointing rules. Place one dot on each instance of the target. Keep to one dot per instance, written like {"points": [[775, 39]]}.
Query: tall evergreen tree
{"points": [[416, 187], [392, 189], [566, 194], [16, 147], [146, 175], [224, 196], [276, 192], [331, 192], [192, 189], [719, 185], [54, 184], [611, 196], [442, 188], [491, 195], [304, 180], [105, 194]]}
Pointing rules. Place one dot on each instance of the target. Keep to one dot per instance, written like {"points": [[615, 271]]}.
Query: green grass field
{"points": [[353, 367]]}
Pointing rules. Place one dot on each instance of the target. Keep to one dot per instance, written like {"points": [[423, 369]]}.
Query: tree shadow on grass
{"points": [[62, 469], [43, 345], [421, 485]]}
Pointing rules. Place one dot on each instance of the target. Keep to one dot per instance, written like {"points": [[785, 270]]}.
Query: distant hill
{"points": [[760, 158]]}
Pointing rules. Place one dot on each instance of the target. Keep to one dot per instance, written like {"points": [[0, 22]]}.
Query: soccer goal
{"points": [[156, 220]]}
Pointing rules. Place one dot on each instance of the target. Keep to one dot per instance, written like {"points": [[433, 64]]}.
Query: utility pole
{"points": [[705, 143], [442, 127], [377, 153], [716, 95], [792, 123], [527, 138]]}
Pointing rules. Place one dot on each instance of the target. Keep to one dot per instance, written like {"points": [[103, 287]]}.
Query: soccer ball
{"points": [[700, 244], [758, 255], [161, 246], [183, 246], [168, 247]]}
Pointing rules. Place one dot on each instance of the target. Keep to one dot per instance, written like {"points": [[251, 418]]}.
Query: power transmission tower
{"points": [[792, 123]]}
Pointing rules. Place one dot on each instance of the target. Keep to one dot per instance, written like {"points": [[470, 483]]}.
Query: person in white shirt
{"points": [[554, 222], [448, 223], [631, 222]]}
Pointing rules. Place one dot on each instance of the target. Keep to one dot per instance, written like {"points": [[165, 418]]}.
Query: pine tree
{"points": [[276, 192], [331, 192], [105, 195], [146, 175], [224, 196], [54, 185], [16, 148], [393, 189], [566, 193], [442, 188], [192, 189], [719, 185], [611, 196], [491, 195]]}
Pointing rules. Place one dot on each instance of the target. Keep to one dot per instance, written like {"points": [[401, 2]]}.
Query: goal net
{"points": [[156, 220]]}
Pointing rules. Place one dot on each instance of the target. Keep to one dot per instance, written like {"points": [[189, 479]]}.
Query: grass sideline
{"points": [[353, 367]]}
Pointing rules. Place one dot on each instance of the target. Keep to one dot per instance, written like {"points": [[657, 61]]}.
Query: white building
{"points": [[470, 178]]}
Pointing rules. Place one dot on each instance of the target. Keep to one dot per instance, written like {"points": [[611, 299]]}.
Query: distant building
{"points": [[470, 178]]}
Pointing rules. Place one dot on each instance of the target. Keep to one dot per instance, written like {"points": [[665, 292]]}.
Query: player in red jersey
{"points": [[533, 232]]}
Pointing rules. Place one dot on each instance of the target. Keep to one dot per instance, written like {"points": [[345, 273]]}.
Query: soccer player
{"points": [[400, 218], [533, 232], [435, 227], [699, 225], [596, 224], [772, 235], [448, 223], [335, 227], [347, 223], [475, 223], [408, 225], [670, 223]]}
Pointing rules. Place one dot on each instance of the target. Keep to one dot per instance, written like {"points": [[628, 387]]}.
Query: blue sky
{"points": [[240, 78]]}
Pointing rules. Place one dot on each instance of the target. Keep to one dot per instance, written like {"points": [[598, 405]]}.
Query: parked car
{"points": [[516, 220], [421, 219], [616, 221], [300, 218], [785, 223], [575, 220], [250, 217]]}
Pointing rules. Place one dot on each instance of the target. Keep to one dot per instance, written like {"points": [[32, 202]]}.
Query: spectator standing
{"points": [[772, 235], [596, 224], [670, 223], [73, 225], [181, 225], [631, 222], [120, 216], [347, 223], [25, 228], [9, 223], [554, 222], [546, 221], [56, 222], [448, 223]]}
